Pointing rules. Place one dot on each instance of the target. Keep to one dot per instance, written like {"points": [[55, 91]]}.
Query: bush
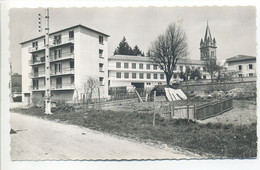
{"points": [[17, 99]]}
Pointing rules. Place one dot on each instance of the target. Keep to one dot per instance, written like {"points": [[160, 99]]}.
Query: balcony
{"points": [[37, 75], [63, 86], [37, 62], [64, 71], [39, 47], [63, 56], [37, 88], [62, 41]]}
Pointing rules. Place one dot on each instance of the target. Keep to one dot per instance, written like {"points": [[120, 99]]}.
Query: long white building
{"points": [[76, 53], [128, 71]]}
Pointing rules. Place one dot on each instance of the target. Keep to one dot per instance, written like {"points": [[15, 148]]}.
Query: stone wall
{"points": [[248, 86]]}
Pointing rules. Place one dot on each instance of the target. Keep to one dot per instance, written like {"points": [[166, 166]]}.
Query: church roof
{"points": [[240, 58]]}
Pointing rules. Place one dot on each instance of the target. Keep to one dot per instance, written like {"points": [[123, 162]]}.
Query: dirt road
{"points": [[39, 139]]}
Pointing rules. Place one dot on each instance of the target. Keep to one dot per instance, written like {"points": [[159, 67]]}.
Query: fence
{"points": [[198, 112], [212, 109]]}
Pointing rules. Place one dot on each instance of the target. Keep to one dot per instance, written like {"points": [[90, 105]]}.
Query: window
{"points": [[204, 77], [239, 67], [198, 68], [175, 76], [204, 69], [101, 67], [101, 39], [175, 68], [154, 76], [72, 49], [71, 79], [148, 83], [161, 76], [58, 68], [71, 64], [57, 53], [181, 68], [101, 81], [35, 84], [35, 45], [133, 65], [118, 75], [57, 39], [212, 53], [133, 75], [250, 74], [141, 66], [155, 67], [101, 53], [193, 68], [148, 75], [148, 66], [125, 65], [118, 65], [141, 75], [126, 75], [71, 34], [35, 71], [240, 75], [44, 42], [250, 66]]}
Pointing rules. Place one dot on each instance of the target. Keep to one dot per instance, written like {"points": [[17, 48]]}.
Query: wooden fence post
{"points": [[154, 95]]}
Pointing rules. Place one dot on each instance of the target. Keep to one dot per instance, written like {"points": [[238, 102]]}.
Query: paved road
{"points": [[39, 139]]}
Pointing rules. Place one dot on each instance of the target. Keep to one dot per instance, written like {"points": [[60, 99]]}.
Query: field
{"points": [[210, 137]]}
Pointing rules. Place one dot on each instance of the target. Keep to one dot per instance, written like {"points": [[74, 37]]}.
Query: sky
{"points": [[234, 28]]}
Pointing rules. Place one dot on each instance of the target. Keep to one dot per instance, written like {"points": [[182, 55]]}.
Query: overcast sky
{"points": [[233, 27]]}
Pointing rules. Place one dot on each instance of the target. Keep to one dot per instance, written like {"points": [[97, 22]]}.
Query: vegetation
{"points": [[213, 68], [217, 140], [125, 49], [168, 48]]}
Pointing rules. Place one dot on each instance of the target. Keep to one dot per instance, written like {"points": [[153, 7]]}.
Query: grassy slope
{"points": [[227, 141]]}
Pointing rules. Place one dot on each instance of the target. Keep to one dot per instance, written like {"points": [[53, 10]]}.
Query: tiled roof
{"points": [[148, 59], [240, 58], [79, 25]]}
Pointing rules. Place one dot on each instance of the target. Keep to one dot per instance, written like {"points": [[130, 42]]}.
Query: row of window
{"points": [[250, 67], [57, 39], [141, 75], [141, 66], [148, 66]]}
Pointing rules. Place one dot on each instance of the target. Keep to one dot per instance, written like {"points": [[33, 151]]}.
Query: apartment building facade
{"points": [[76, 53], [128, 71], [243, 65]]}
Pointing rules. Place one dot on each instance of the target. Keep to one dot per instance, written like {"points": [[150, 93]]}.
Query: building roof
{"points": [[207, 34], [79, 25], [240, 58], [148, 59]]}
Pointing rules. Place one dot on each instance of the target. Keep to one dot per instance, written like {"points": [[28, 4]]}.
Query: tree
{"points": [[123, 48], [148, 54], [212, 67], [168, 48], [137, 51], [195, 74], [89, 86]]}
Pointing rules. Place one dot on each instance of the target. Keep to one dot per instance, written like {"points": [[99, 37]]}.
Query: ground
{"points": [[39, 139]]}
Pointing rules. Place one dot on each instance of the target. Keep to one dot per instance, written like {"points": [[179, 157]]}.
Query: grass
{"points": [[220, 140]]}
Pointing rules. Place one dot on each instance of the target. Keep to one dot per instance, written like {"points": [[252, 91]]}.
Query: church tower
{"points": [[208, 46]]}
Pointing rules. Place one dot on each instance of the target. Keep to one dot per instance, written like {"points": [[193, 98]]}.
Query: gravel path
{"points": [[39, 139]]}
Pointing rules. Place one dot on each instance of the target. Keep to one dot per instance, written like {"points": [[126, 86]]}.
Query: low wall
{"points": [[247, 85]]}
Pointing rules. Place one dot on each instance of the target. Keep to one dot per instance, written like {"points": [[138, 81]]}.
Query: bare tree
{"points": [[168, 48], [212, 68], [89, 85]]}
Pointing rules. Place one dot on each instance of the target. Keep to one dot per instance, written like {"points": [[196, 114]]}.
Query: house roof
{"points": [[148, 59], [79, 25], [240, 58]]}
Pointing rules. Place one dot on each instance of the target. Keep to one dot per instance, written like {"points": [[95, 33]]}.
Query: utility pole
{"points": [[47, 66]]}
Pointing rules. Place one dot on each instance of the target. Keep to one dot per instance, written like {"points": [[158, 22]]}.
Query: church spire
{"points": [[207, 33]]}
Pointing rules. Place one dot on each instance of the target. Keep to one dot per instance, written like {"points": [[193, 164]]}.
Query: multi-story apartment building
{"points": [[243, 65], [76, 53], [140, 71]]}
